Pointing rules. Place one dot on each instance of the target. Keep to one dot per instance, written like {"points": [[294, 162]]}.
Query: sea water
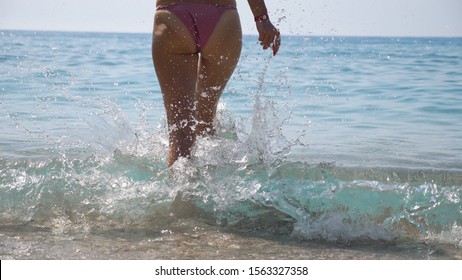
{"points": [[338, 147]]}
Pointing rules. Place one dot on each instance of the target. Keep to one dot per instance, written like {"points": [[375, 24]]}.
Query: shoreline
{"points": [[189, 239]]}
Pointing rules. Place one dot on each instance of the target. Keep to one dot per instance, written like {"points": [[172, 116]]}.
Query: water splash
{"points": [[114, 175]]}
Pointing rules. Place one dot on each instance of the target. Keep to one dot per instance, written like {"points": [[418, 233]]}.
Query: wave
{"points": [[245, 182]]}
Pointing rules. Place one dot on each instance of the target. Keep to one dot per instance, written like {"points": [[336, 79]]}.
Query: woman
{"points": [[196, 46]]}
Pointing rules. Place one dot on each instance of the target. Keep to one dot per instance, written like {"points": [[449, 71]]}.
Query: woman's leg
{"points": [[218, 60], [176, 62]]}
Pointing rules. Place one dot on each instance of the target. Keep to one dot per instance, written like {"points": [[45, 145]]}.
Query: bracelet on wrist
{"points": [[261, 18]]}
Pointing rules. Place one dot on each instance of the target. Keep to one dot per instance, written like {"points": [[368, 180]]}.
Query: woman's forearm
{"points": [[258, 7], [269, 35]]}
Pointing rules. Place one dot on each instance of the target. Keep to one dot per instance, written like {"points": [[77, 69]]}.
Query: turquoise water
{"points": [[342, 140]]}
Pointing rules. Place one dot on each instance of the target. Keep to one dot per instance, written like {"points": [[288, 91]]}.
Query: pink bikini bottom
{"points": [[199, 19]]}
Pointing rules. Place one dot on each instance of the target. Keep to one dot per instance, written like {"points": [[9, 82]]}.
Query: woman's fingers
{"points": [[276, 43], [269, 36], [271, 40], [266, 40]]}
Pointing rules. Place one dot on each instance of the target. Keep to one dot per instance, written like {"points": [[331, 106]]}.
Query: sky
{"points": [[292, 17]]}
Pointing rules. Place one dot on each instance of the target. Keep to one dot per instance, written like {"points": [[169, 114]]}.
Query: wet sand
{"points": [[189, 239]]}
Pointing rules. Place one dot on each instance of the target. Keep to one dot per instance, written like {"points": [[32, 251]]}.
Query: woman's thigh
{"points": [[175, 61], [218, 60]]}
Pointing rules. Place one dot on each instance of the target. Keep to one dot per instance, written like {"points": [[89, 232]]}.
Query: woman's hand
{"points": [[269, 36]]}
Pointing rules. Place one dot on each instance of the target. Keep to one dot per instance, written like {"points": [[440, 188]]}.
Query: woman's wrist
{"points": [[261, 18]]}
